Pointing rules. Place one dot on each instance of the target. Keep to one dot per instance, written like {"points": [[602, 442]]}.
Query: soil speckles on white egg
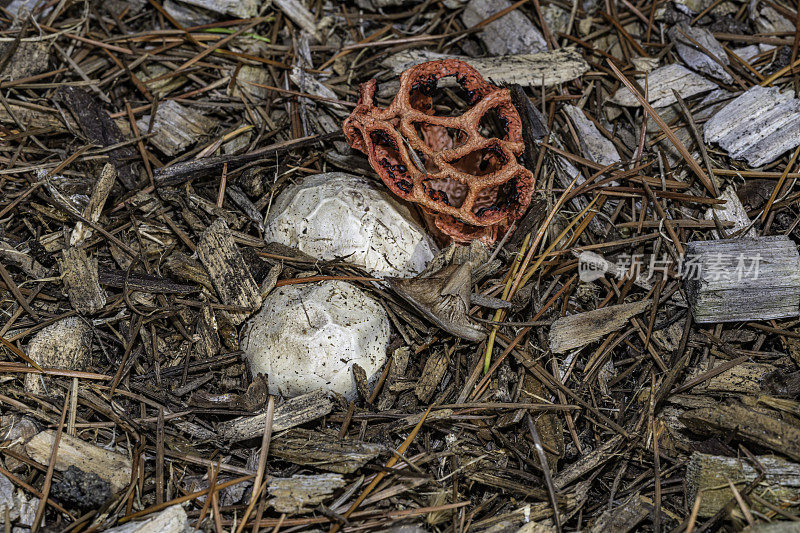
{"points": [[342, 216], [307, 337]]}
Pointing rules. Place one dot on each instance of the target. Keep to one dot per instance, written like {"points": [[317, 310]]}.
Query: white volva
{"points": [[338, 215], [307, 336]]}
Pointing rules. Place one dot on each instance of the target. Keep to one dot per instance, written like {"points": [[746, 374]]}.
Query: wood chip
{"points": [[324, 450], [110, 466], [176, 127], [236, 8], [752, 426], [95, 206], [625, 516], [513, 33], [578, 330], [731, 211], [709, 474], [432, 374], [228, 271], [173, 519], [759, 125], [289, 414], [64, 345], [300, 494], [80, 277], [530, 70], [594, 145], [29, 58], [660, 84], [742, 279], [695, 58]]}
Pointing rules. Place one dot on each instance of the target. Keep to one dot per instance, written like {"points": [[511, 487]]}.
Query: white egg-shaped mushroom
{"points": [[338, 215], [307, 337]]}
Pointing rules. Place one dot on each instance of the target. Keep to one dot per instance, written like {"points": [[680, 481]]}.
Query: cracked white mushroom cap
{"points": [[338, 215], [307, 337]]}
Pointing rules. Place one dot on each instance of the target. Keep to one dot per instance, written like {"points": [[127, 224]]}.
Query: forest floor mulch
{"points": [[638, 398]]}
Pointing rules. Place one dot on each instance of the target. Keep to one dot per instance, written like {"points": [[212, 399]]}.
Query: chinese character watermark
{"points": [[710, 267]]}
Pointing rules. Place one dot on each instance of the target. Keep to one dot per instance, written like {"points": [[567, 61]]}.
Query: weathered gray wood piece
{"points": [[300, 493], [324, 450], [175, 127], [513, 33], [581, 329], [238, 8], [300, 15], [593, 145], [289, 414], [731, 211], [64, 344], [660, 83], [624, 517], [709, 474], [731, 280], [72, 451], [759, 126], [29, 59], [81, 280], [694, 57], [530, 70], [173, 519], [228, 271]]}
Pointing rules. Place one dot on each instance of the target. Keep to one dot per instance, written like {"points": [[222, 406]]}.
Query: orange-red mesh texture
{"points": [[462, 169]]}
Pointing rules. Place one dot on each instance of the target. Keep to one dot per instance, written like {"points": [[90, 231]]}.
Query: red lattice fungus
{"points": [[463, 170]]}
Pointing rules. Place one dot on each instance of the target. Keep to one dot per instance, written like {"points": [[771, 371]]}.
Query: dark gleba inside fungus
{"points": [[461, 169]]}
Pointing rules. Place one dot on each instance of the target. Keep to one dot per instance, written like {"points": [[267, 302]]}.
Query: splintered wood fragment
{"points": [[173, 519], [740, 422], [587, 463], [432, 374], [396, 372], [742, 279], [360, 376], [759, 126], [95, 206], [709, 474], [744, 378], [29, 58], [72, 451], [624, 517], [660, 83], [731, 211], [140, 281], [80, 277], [513, 33], [300, 493], [18, 114], [530, 70], [578, 330], [509, 485], [176, 127], [697, 59], [289, 414], [250, 80], [64, 345], [98, 126], [594, 146], [21, 258], [209, 344], [227, 269], [300, 15], [244, 9], [187, 268], [324, 449]]}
